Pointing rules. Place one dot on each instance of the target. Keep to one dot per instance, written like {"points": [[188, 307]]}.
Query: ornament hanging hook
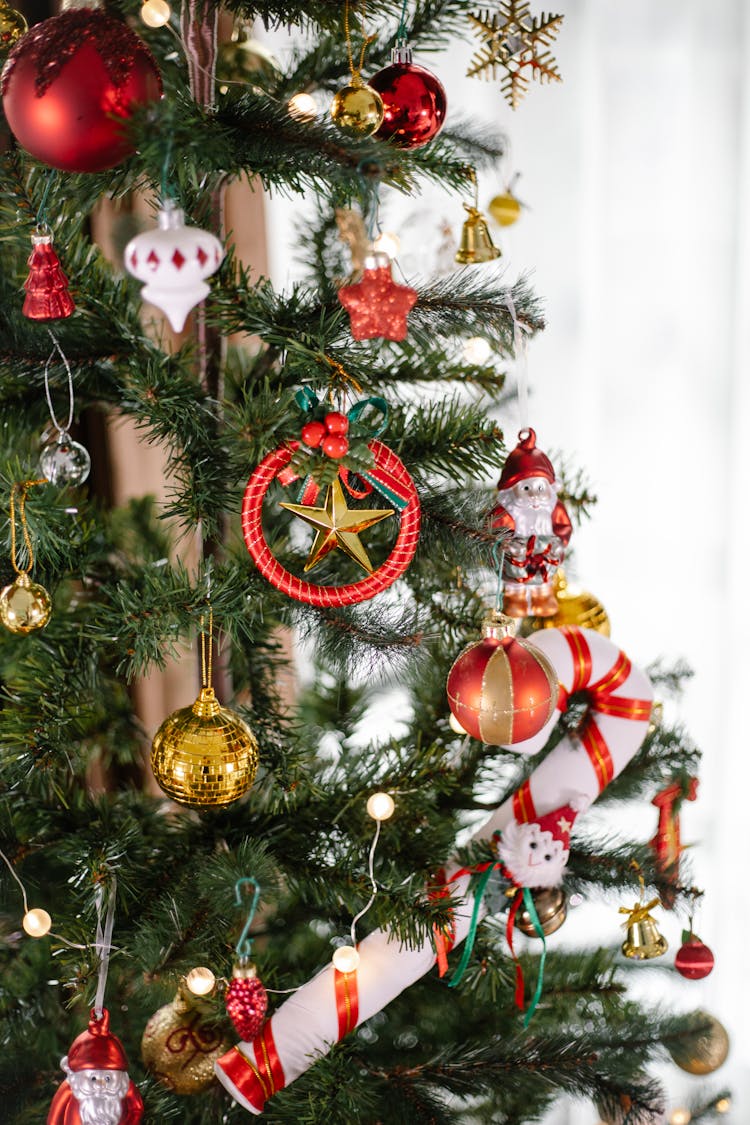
{"points": [[244, 942], [498, 557], [71, 399], [42, 221]]}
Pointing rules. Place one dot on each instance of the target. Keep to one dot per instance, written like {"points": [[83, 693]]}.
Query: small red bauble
{"points": [[336, 423], [69, 84], [335, 446], [313, 433], [414, 101], [694, 959], [246, 1001], [501, 690]]}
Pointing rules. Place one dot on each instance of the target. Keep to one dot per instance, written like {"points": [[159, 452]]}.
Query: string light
{"points": [[723, 1105], [303, 107], [37, 922], [680, 1117], [155, 13], [380, 806], [477, 350], [200, 980], [345, 959], [387, 243]]}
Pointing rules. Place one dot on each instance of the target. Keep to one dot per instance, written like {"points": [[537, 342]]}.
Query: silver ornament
{"points": [[65, 461]]}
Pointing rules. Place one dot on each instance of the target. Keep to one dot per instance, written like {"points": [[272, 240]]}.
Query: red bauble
{"points": [[312, 434], [69, 84], [47, 296], [413, 99], [377, 305], [337, 423], [694, 959], [246, 1001], [335, 446], [501, 690]]}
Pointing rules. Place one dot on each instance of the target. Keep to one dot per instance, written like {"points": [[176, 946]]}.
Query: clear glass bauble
{"points": [[65, 461]]}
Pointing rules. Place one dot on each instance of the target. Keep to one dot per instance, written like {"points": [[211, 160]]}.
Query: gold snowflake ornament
{"points": [[516, 42]]}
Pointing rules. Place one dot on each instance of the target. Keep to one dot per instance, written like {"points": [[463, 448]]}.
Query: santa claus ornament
{"points": [[69, 85], [540, 529], [97, 1089]]}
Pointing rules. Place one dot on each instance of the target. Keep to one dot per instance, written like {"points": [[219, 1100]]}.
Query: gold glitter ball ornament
{"points": [[705, 1054], [24, 605], [12, 27], [574, 607], [357, 109], [205, 755], [181, 1042]]}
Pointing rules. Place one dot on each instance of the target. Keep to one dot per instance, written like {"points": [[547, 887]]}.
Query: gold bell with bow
{"points": [[476, 241], [644, 940]]}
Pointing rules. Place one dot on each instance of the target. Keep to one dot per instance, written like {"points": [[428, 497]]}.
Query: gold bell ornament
{"points": [[551, 905], [706, 1053], [574, 607], [644, 940], [182, 1041], [205, 755], [12, 27], [24, 605], [242, 59], [476, 242]]}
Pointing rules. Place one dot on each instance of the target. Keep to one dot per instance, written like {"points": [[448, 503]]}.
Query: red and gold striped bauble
{"points": [[501, 690]]}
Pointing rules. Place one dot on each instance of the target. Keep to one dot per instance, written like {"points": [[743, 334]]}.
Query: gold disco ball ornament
{"points": [[24, 606], [705, 1054], [505, 209], [12, 27], [205, 756], [182, 1041], [574, 607], [551, 907]]}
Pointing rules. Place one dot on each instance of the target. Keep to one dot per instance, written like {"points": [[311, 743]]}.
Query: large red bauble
{"points": [[414, 102], [694, 959], [70, 83], [501, 690]]}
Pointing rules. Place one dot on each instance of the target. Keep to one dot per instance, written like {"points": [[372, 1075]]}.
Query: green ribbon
{"points": [[528, 902], [479, 893]]}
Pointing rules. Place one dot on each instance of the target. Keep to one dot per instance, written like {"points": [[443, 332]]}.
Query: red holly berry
{"points": [[313, 433], [335, 446], [336, 423]]}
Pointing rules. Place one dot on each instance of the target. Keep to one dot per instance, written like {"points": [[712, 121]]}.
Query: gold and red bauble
{"points": [[182, 1041], [414, 101], [69, 85], [501, 690]]}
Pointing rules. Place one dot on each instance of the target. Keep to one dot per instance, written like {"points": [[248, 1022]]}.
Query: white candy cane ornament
{"points": [[574, 773]]}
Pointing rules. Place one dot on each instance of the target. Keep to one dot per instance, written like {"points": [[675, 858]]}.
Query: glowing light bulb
{"points": [[345, 959], [380, 806], [454, 724], [680, 1117], [387, 243], [155, 13], [303, 107], [723, 1105], [200, 980], [37, 922], [477, 350]]}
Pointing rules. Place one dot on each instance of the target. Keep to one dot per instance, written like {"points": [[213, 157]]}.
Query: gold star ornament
{"points": [[338, 526], [515, 42]]}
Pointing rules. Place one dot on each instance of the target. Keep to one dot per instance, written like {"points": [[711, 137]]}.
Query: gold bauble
{"points": [[707, 1053], [12, 27], [204, 755], [505, 209], [551, 906], [242, 59], [24, 605], [357, 109], [181, 1042], [574, 607]]}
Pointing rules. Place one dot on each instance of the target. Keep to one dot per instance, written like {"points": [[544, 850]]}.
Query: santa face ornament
{"points": [[535, 853], [97, 1089]]}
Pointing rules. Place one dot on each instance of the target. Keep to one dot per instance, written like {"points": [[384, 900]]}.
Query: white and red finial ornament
{"points": [[528, 507], [69, 85], [174, 260], [97, 1089], [414, 101], [376, 304]]}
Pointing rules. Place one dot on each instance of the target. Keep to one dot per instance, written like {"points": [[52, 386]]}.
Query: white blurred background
{"points": [[636, 172]]}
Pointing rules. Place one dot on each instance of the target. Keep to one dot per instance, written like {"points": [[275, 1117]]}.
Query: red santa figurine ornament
{"points": [[97, 1090], [540, 525]]}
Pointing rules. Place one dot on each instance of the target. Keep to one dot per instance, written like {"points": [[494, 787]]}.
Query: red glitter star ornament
{"points": [[377, 306]]}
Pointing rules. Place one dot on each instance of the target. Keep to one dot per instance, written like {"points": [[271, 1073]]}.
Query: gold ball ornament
{"points": [[243, 59], [705, 1054], [181, 1042], [574, 607], [205, 755], [24, 605], [357, 109], [505, 209], [12, 27], [551, 906]]}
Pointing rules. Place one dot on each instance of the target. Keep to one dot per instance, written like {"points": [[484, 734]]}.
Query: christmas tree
{"points": [[327, 547]]}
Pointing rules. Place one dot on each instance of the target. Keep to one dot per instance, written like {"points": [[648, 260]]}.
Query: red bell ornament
{"points": [[98, 1087], [500, 689], [69, 85], [47, 295], [694, 960], [414, 101]]}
